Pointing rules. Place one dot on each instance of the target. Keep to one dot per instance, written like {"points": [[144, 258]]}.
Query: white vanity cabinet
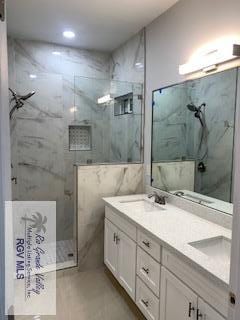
{"points": [[127, 263], [110, 247], [177, 301], [120, 257], [205, 312], [162, 283]]}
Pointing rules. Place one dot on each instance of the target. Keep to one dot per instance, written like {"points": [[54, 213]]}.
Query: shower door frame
{"points": [[5, 169], [234, 290]]}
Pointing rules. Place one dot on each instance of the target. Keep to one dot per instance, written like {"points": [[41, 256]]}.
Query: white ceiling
{"points": [[98, 24]]}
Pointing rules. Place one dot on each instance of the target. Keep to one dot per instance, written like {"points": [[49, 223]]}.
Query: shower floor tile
{"points": [[91, 295]]}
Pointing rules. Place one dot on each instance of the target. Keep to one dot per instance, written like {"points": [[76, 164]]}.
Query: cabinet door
{"points": [[205, 312], [111, 247], [176, 300], [127, 263]]}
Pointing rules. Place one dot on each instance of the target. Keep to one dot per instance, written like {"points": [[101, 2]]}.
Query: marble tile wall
{"points": [[128, 61], [128, 64], [172, 124], [94, 183], [219, 93], [169, 176]]}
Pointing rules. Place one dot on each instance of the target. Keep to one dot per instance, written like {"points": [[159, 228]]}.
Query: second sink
{"points": [[218, 248]]}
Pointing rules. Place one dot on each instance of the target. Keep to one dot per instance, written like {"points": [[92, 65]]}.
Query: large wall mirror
{"points": [[193, 139]]}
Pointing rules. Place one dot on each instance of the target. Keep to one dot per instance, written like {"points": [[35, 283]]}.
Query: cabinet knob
{"points": [[190, 309], [146, 243], [146, 303], [114, 237]]}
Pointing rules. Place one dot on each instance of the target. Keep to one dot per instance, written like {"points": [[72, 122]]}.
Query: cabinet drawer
{"points": [[146, 301], [149, 245], [148, 270], [121, 223]]}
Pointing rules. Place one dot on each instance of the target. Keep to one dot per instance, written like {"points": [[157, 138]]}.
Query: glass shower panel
{"points": [[40, 158], [113, 136]]}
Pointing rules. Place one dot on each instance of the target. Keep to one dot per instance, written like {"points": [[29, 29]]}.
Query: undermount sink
{"points": [[218, 248], [142, 205]]}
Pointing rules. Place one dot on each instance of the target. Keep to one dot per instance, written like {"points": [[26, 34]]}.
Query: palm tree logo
{"points": [[38, 222]]}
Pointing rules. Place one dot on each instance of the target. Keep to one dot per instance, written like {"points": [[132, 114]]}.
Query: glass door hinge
{"points": [[232, 298]]}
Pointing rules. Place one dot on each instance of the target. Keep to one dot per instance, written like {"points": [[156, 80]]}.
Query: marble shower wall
{"points": [[172, 125], [114, 138], [41, 158], [177, 133], [218, 91], [128, 61], [173, 175], [94, 183], [128, 65]]}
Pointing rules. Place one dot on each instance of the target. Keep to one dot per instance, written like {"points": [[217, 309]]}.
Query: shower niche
{"points": [[80, 138]]}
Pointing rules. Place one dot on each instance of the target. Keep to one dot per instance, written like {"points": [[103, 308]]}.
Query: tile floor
{"points": [[91, 295]]}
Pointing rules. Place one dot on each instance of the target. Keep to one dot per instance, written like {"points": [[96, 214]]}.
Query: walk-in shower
{"points": [[60, 129]]}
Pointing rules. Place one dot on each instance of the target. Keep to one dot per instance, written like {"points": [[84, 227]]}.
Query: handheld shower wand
{"points": [[197, 111]]}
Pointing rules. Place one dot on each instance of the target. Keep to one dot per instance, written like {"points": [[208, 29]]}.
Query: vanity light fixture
{"points": [[69, 34], [209, 60], [104, 99]]}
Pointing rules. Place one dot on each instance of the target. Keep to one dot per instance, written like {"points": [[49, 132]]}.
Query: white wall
{"points": [[173, 37]]}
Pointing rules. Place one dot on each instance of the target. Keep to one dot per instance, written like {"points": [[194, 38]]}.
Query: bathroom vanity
{"points": [[173, 264]]}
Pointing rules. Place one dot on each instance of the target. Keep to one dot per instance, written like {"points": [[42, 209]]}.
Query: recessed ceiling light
{"points": [[69, 34], [56, 53], [32, 76]]}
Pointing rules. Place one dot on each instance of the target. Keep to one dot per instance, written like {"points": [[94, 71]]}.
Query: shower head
{"points": [[19, 100], [197, 111], [26, 96], [191, 107]]}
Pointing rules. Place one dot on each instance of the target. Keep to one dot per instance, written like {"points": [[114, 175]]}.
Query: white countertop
{"points": [[175, 228]]}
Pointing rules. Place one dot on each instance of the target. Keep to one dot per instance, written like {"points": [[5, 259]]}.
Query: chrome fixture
{"points": [[179, 193], [197, 112], [19, 100], [201, 167], [158, 198]]}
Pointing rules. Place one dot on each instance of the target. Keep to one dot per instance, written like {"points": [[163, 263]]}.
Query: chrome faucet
{"points": [[158, 198]]}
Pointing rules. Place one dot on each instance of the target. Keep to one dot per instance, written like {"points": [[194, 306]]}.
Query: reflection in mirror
{"points": [[192, 139]]}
